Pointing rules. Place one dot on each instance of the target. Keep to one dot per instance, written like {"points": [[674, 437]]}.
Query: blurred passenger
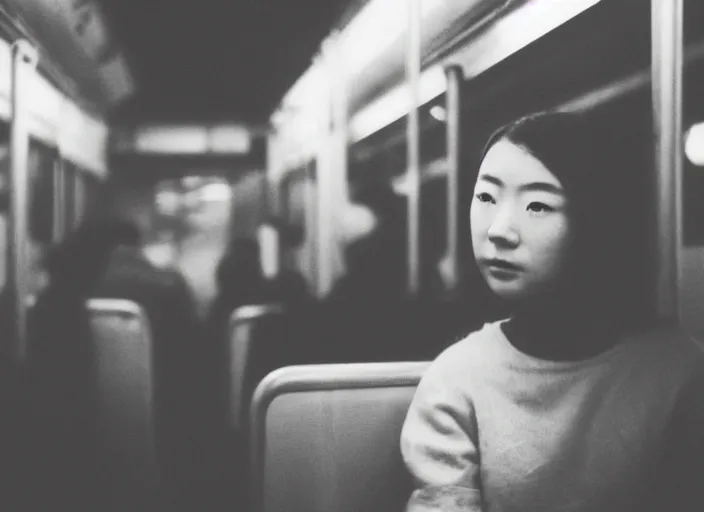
{"points": [[240, 283], [239, 279], [573, 402], [285, 285], [170, 309], [162, 292], [62, 404], [376, 260], [368, 303]]}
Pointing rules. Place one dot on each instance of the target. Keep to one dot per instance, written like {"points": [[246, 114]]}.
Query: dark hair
{"points": [[120, 232], [240, 262], [243, 249], [586, 163]]}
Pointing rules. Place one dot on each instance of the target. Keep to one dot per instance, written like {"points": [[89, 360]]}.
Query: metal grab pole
{"points": [[339, 121], [667, 50], [59, 193], [24, 61], [311, 208], [325, 169], [453, 100], [413, 146], [272, 183], [272, 174], [79, 197]]}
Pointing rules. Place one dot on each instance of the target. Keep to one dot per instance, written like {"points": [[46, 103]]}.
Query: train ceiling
{"points": [[202, 60]]}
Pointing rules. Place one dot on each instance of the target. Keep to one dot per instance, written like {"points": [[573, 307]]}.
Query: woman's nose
{"points": [[502, 231]]}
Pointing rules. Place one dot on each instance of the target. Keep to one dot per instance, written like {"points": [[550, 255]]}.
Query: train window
{"points": [[91, 190], [299, 212], [307, 235], [294, 198], [4, 199], [248, 202], [693, 117], [41, 161], [69, 195], [79, 196], [693, 189], [40, 166]]}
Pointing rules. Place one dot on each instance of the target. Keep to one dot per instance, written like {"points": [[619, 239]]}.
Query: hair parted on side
{"points": [[585, 161]]}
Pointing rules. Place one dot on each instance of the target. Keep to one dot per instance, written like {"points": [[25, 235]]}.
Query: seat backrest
{"points": [[327, 437], [242, 327], [126, 405]]}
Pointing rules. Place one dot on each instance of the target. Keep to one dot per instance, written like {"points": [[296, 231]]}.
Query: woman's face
{"points": [[521, 232]]}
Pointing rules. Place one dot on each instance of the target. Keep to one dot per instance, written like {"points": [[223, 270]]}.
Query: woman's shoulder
{"points": [[667, 348], [475, 350], [667, 339]]}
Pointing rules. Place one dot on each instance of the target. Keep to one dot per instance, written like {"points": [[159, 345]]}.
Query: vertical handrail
{"points": [[331, 170], [324, 168], [453, 101], [59, 195], [310, 189], [413, 68], [24, 62], [667, 50], [273, 173], [339, 127], [79, 197]]}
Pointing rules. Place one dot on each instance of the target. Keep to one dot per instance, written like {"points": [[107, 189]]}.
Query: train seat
{"points": [[248, 325], [326, 437], [126, 408]]}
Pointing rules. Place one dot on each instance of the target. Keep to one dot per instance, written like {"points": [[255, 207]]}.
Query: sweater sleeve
{"points": [[683, 465], [439, 437]]}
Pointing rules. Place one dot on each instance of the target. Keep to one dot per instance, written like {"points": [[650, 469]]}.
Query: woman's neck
{"points": [[558, 331]]}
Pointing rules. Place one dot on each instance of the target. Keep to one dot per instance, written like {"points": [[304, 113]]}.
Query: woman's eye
{"points": [[539, 207], [484, 197]]}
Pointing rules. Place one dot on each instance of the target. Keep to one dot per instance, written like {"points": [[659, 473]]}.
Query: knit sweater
{"points": [[535, 435]]}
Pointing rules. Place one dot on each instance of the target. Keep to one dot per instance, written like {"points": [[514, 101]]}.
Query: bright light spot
{"points": [[215, 192], [194, 139], [438, 112], [171, 139], [357, 222], [405, 184], [694, 144], [161, 254], [167, 202], [269, 251], [230, 139], [192, 182]]}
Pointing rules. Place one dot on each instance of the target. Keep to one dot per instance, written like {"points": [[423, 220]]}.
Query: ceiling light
{"points": [[438, 112], [694, 144]]}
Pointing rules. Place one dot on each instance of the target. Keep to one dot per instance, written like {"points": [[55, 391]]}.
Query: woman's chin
{"points": [[507, 291]]}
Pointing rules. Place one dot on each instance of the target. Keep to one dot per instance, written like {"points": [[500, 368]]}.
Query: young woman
{"points": [[563, 407]]}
